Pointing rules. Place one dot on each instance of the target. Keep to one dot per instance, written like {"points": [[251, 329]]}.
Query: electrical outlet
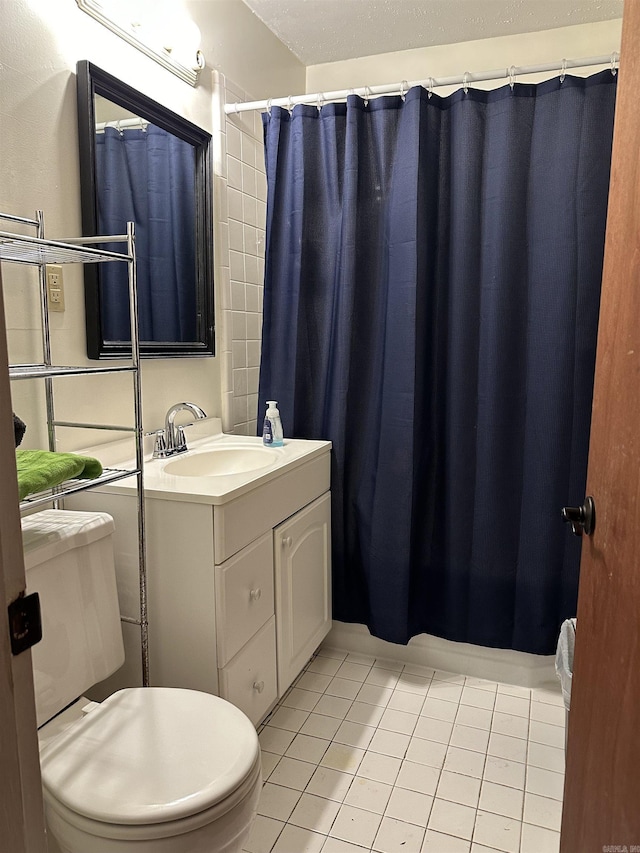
{"points": [[55, 288]]}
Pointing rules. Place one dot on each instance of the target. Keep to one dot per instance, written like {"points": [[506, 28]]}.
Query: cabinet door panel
{"points": [[244, 596], [302, 557]]}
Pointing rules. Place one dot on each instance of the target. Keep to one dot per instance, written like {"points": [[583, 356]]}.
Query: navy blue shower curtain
{"points": [[148, 177], [432, 283]]}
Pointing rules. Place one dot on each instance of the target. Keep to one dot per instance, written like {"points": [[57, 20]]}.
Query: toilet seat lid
{"points": [[151, 755]]}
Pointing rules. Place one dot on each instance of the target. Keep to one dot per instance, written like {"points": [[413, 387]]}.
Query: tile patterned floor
{"points": [[364, 754]]}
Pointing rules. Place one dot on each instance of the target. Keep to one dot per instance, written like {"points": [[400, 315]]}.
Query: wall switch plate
{"points": [[55, 287]]}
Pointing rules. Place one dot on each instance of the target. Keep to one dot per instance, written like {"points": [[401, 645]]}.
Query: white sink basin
{"points": [[217, 468], [221, 461]]}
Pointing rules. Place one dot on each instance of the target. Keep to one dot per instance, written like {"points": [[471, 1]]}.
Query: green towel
{"points": [[41, 469]]}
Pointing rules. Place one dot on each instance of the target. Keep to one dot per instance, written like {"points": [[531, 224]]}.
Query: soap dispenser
{"points": [[272, 429]]}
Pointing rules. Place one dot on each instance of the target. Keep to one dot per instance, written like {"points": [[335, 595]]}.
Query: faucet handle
{"points": [[180, 442], [160, 443]]}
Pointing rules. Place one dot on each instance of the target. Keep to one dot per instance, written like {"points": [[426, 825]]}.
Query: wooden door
{"points": [[302, 564], [21, 814], [602, 784]]}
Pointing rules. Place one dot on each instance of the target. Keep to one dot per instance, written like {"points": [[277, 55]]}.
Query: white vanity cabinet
{"points": [[273, 608], [239, 590], [284, 572]]}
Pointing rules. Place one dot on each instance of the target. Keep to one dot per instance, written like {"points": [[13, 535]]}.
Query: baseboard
{"points": [[503, 665]]}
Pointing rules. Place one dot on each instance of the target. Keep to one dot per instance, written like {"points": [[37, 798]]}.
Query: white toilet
{"points": [[149, 770]]}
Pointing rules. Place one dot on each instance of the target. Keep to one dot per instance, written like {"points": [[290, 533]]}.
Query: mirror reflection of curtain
{"points": [[148, 177]]}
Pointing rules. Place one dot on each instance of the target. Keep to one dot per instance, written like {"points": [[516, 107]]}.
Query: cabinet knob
{"points": [[259, 686], [255, 594], [286, 541]]}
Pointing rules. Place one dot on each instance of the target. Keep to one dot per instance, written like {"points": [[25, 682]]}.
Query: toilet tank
{"points": [[69, 561]]}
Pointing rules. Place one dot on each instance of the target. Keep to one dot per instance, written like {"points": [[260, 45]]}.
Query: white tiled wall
{"points": [[241, 193]]}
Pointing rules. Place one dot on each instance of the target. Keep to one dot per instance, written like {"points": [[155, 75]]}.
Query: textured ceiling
{"points": [[319, 31]]}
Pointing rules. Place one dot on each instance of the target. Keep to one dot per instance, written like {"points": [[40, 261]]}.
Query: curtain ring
{"points": [[430, 84], [465, 82], [511, 72], [269, 106], [290, 103], [615, 57], [320, 101], [367, 92], [563, 72], [403, 91]]}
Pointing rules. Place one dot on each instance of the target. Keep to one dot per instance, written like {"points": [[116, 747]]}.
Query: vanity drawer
{"points": [[249, 681], [239, 521], [244, 596]]}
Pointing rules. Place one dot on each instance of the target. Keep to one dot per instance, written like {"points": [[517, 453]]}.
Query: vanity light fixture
{"points": [[141, 31]]}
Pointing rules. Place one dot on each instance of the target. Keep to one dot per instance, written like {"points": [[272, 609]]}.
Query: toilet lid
{"points": [[150, 755]]}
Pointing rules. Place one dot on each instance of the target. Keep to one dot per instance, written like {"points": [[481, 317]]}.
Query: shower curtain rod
{"points": [[122, 124], [320, 98]]}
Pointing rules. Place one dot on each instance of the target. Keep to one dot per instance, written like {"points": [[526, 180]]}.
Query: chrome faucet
{"points": [[171, 439]]}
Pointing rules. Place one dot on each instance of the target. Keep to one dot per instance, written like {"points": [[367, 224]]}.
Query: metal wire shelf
{"points": [[69, 487], [40, 371], [33, 250], [36, 251]]}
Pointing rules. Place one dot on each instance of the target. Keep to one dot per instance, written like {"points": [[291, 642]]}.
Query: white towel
{"points": [[564, 658]]}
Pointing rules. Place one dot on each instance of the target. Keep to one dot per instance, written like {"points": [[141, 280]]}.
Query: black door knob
{"points": [[581, 518]]}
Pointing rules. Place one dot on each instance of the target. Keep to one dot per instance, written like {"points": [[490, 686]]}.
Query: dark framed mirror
{"points": [[140, 161]]}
